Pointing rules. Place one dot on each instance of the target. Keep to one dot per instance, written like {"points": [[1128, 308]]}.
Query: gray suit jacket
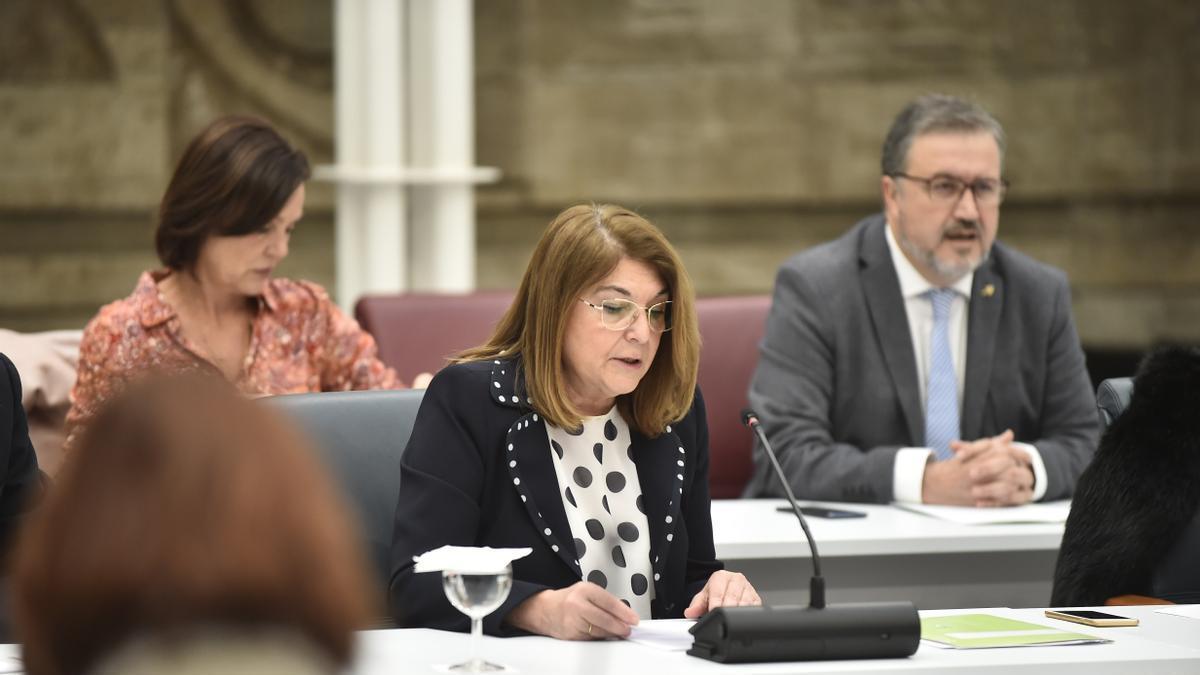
{"points": [[836, 384]]}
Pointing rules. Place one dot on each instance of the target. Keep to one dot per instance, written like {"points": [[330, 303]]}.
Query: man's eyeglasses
{"points": [[619, 314], [988, 192]]}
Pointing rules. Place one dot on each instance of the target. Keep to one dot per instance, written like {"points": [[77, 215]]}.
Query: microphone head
{"points": [[749, 417]]}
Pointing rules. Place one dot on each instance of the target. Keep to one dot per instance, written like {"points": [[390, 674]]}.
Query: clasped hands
{"points": [[986, 472], [584, 611]]}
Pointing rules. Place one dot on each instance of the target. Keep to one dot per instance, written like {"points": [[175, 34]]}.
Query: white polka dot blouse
{"points": [[599, 486]]}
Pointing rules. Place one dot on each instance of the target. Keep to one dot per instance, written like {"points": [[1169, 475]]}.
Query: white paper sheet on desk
{"points": [[669, 635], [1041, 512], [1189, 611]]}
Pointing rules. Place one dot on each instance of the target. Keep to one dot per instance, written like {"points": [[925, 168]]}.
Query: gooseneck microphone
{"points": [[813, 633], [816, 585]]}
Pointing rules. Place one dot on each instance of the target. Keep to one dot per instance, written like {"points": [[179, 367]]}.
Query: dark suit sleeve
{"points": [[793, 393], [697, 512], [22, 479], [443, 474], [1069, 423]]}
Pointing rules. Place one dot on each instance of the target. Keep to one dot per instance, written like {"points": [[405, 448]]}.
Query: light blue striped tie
{"points": [[941, 402]]}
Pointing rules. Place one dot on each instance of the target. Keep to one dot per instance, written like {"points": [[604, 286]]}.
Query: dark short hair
{"points": [[934, 113], [233, 178], [187, 506]]}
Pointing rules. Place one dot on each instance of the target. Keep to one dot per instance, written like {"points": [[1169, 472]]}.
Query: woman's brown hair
{"points": [[581, 246], [233, 178], [186, 506]]}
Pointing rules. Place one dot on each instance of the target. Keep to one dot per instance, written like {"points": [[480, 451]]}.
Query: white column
{"points": [[442, 133], [405, 147], [371, 216]]}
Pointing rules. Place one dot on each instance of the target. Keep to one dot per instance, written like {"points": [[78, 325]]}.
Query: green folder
{"points": [[979, 631]]}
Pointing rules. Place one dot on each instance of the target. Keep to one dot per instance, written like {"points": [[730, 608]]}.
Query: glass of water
{"points": [[477, 595]]}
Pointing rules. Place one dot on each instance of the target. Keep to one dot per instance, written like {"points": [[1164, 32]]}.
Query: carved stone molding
{"points": [[51, 41]]}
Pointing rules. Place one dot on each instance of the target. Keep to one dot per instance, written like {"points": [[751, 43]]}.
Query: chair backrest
{"points": [[417, 332], [360, 436], [730, 329], [1112, 397]]}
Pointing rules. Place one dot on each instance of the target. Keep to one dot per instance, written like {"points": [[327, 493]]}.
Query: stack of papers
{"points": [[979, 631]]}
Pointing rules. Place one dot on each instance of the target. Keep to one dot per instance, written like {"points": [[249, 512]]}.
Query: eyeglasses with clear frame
{"points": [[619, 314], [988, 192]]}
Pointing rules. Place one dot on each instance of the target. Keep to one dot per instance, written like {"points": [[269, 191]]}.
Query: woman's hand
{"points": [[724, 589], [582, 611]]}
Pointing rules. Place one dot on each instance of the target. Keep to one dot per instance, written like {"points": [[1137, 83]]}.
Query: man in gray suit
{"points": [[916, 359]]}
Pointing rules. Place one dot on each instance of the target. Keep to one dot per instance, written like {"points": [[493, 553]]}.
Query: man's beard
{"points": [[948, 272]]}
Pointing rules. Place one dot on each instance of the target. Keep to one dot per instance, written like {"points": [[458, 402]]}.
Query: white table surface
{"points": [[754, 529], [1162, 644], [892, 554]]}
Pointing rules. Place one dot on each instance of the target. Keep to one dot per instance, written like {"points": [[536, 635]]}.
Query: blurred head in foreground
{"points": [[189, 516]]}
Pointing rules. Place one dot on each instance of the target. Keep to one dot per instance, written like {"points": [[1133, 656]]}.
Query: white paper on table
{"points": [[450, 668], [669, 635], [1040, 512], [1189, 611]]}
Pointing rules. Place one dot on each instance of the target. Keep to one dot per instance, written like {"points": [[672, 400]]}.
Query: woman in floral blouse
{"points": [[223, 226]]}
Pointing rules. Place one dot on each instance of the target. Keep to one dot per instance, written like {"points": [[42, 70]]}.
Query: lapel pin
{"points": [[989, 291]]}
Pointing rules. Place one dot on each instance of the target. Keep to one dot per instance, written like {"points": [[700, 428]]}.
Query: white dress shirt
{"points": [[909, 470]]}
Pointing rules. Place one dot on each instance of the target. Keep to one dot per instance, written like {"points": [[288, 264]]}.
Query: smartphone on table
{"points": [[1090, 617], [824, 512]]}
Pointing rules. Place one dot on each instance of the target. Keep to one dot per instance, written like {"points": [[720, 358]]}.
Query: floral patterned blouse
{"points": [[300, 342]]}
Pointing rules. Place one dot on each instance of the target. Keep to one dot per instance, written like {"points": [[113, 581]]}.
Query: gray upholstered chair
{"points": [[360, 436], [1112, 397]]}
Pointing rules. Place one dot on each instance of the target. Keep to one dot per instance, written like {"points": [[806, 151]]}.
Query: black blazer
{"points": [[458, 486], [20, 479], [1134, 526]]}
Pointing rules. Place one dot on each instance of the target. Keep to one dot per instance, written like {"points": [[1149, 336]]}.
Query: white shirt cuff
{"points": [[1039, 469], [908, 474]]}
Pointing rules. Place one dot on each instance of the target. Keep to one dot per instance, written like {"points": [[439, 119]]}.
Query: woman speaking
{"points": [[576, 430]]}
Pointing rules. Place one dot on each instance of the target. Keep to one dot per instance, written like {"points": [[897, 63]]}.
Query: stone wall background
{"points": [[747, 129]]}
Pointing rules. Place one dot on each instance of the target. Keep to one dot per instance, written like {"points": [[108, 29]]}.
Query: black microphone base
{"points": [[877, 630]]}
